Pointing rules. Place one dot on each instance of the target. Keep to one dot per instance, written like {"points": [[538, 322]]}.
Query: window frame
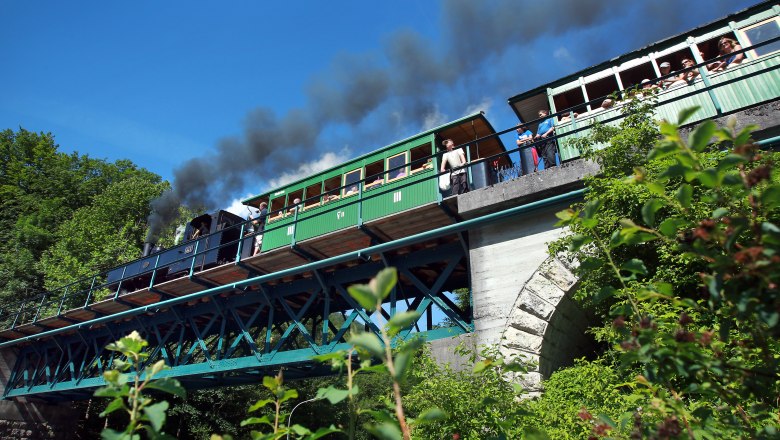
{"points": [[357, 183], [744, 36], [404, 170]]}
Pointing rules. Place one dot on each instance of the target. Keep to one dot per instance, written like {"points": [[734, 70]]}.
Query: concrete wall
{"points": [[27, 419]]}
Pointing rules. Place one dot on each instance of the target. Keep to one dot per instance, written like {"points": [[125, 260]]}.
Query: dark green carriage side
{"points": [[393, 179], [754, 81]]}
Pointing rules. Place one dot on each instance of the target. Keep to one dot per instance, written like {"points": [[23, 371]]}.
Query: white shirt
{"points": [[454, 160]]}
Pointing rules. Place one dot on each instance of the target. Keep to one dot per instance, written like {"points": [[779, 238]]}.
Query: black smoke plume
{"points": [[406, 80]]}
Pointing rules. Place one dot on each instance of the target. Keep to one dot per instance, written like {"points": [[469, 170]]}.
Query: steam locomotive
{"points": [[214, 237]]}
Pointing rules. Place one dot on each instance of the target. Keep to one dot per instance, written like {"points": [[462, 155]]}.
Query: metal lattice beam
{"points": [[238, 337]]}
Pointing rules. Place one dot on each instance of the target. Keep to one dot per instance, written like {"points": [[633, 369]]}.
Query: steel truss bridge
{"points": [[243, 330], [240, 332]]}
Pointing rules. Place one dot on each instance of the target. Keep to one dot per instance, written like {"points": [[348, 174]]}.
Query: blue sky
{"points": [[174, 85]]}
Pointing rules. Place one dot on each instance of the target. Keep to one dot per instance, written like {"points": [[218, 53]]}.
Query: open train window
{"points": [[313, 193], [420, 157], [351, 180], [399, 160], [572, 99], [601, 88], [331, 189], [275, 209], [708, 49], [291, 200], [760, 32], [675, 59], [200, 226], [633, 76], [374, 175]]}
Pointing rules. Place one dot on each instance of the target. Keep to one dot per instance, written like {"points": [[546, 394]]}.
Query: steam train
{"points": [[396, 178]]}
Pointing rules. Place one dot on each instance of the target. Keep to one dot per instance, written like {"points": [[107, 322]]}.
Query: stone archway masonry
{"points": [[545, 326]]}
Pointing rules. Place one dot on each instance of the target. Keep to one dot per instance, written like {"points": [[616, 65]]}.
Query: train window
{"points": [[601, 88], [764, 31], [420, 157], [374, 175], [331, 189], [708, 49], [572, 99], [275, 210], [351, 180], [313, 193], [675, 58], [291, 200], [633, 76], [399, 160]]}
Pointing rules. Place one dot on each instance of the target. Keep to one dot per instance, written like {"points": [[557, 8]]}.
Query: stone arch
{"points": [[545, 325]]}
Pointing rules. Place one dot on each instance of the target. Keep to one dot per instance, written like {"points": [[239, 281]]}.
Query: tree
{"points": [[40, 190], [688, 273]]}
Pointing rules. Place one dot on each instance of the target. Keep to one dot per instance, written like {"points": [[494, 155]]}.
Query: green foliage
{"points": [[128, 384], [40, 190], [477, 404], [597, 386], [108, 231], [279, 395], [689, 273]]}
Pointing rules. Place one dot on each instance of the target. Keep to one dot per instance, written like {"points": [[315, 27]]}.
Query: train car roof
{"points": [[670, 41], [461, 131]]}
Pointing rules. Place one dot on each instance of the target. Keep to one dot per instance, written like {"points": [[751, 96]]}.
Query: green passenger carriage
{"points": [[388, 181], [754, 81]]}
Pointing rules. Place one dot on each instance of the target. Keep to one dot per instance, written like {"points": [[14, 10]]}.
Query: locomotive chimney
{"points": [[147, 248]]}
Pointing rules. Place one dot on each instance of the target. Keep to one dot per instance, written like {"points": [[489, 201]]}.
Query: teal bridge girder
{"points": [[239, 334]]}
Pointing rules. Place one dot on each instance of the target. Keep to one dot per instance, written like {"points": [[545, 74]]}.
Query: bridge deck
{"points": [[400, 225]]}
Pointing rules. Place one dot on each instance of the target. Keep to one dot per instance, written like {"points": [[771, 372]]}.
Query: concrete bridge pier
{"points": [[521, 295], [31, 419]]}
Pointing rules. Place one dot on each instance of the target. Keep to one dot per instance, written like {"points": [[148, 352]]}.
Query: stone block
{"points": [[545, 289], [558, 274], [531, 381], [528, 323], [519, 339], [535, 305]]}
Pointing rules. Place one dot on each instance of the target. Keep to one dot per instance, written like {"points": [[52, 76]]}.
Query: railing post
{"points": [[154, 272], [194, 255], [89, 294], [62, 301], [710, 91], [360, 204], [295, 225], [241, 239], [119, 285], [436, 176], [469, 177], [40, 306], [21, 309]]}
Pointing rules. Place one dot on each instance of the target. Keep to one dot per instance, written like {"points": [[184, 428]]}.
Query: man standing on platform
{"points": [[547, 148], [529, 158], [456, 160]]}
